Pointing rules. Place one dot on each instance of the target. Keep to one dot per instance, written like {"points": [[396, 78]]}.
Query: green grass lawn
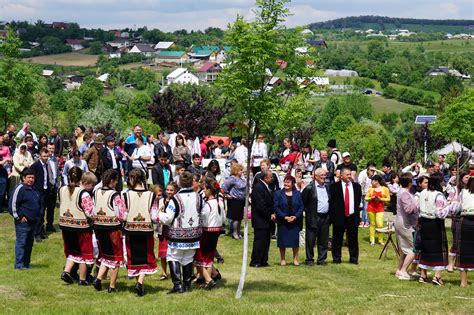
{"points": [[453, 46], [383, 105], [369, 287]]}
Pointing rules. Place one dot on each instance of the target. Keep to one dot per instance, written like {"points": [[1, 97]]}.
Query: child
{"points": [[108, 229], [142, 211], [75, 209], [179, 169]]}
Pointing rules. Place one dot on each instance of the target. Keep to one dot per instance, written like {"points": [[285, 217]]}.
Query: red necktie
{"points": [[346, 201]]}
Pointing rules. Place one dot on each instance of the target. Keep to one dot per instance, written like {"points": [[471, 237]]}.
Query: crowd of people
{"points": [[171, 197]]}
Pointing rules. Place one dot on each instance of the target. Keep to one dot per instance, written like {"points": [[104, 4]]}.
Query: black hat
{"points": [[109, 138], [429, 163], [82, 128], [332, 143], [377, 178]]}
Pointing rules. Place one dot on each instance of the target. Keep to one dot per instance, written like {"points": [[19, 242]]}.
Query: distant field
{"points": [[456, 45], [77, 59], [383, 105]]}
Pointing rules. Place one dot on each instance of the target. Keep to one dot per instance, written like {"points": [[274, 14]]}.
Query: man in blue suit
{"points": [[42, 185]]}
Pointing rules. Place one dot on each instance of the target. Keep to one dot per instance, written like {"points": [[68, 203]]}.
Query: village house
{"points": [[75, 44], [340, 73], [318, 43], [143, 49], [182, 76], [171, 56], [60, 25], [443, 70], [209, 71], [164, 45]]}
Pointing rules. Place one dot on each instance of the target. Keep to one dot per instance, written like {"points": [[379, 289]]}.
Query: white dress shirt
{"points": [[351, 196]]}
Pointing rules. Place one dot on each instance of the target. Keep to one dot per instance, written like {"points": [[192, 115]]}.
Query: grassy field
{"points": [[369, 287], [383, 105], [78, 59]]}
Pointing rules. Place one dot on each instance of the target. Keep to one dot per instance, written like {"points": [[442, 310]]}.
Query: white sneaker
{"points": [[404, 276]]}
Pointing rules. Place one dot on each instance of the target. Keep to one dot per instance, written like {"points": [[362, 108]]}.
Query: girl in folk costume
{"points": [[139, 241], [213, 218], [171, 190], [108, 229], [182, 215], [454, 193], [75, 209], [434, 247], [465, 232]]}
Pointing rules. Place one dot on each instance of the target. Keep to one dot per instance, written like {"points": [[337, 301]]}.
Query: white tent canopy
{"points": [[452, 147]]}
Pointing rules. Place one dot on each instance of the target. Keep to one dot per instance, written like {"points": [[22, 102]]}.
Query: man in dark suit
{"points": [[161, 173], [111, 158], [262, 216], [52, 194], [42, 185], [344, 209], [57, 141], [327, 165], [163, 146], [316, 203]]}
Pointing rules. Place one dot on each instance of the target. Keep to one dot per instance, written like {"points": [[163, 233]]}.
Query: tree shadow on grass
{"points": [[270, 285]]}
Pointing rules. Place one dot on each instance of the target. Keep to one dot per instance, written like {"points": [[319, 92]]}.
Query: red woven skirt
{"points": [[140, 253], [110, 246], [78, 246], [204, 256], [162, 246]]}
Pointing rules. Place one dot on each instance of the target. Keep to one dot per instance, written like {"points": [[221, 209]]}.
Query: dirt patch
{"points": [[11, 292]]}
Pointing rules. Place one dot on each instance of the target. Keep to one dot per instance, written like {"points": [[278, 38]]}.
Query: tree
{"points": [[259, 48], [187, 108], [95, 48], [454, 124], [17, 81]]}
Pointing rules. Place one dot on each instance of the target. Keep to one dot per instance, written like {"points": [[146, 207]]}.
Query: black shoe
{"points": [[74, 276], [210, 285], [90, 279], [112, 290], [220, 260], [43, 236], [309, 263], [66, 277], [97, 283], [199, 280], [50, 228], [83, 283], [175, 273], [139, 289], [337, 262], [354, 262], [256, 265], [321, 263], [38, 239], [265, 265], [217, 277]]}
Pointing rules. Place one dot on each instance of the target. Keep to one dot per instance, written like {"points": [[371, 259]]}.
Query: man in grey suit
{"points": [[316, 202]]}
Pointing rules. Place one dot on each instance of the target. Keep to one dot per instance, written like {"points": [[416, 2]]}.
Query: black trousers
{"points": [[40, 224], [352, 229], [261, 246], [321, 234], [50, 203]]}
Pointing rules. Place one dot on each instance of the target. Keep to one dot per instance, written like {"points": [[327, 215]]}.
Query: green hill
{"points": [[384, 23]]}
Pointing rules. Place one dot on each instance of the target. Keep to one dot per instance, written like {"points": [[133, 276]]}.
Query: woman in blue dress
{"points": [[289, 212]]}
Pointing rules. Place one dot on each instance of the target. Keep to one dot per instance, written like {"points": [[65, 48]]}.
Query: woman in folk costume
{"points": [[108, 229], [213, 218], [434, 247], [75, 209], [142, 212], [465, 235], [182, 215]]}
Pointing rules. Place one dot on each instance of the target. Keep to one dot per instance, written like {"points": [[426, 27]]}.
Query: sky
{"points": [[170, 15]]}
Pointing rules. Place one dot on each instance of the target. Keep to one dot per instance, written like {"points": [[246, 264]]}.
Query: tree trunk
{"points": [[243, 272]]}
